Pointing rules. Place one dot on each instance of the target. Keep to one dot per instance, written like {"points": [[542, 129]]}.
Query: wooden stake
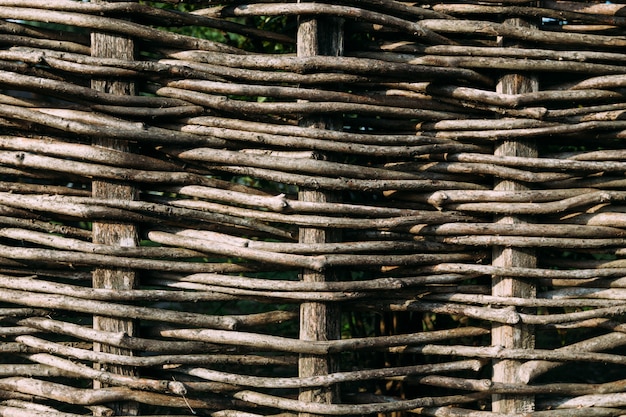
{"points": [[113, 233], [318, 321], [519, 335]]}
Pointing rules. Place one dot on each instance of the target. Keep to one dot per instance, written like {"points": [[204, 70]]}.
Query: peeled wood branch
{"points": [[329, 379], [147, 361], [481, 124], [35, 42], [535, 242], [117, 26], [110, 378], [280, 203], [304, 9], [113, 131], [50, 240], [100, 155], [50, 256], [563, 129], [316, 263], [46, 227], [417, 245], [520, 302], [229, 293], [564, 205], [138, 211], [506, 63], [74, 60], [21, 312], [82, 396], [88, 170], [537, 12], [563, 388], [597, 9], [101, 294], [531, 369], [348, 65], [589, 401], [244, 282], [290, 93], [283, 344], [522, 389], [338, 184], [572, 56], [477, 196], [308, 166], [221, 73], [66, 90], [587, 292], [498, 352], [301, 132], [128, 9], [224, 103], [119, 339], [22, 188], [461, 412], [351, 409], [396, 221], [520, 33], [504, 316], [32, 371], [301, 140], [542, 163], [524, 99], [16, 331], [11, 347], [543, 230], [115, 310], [480, 169], [29, 409], [578, 273]]}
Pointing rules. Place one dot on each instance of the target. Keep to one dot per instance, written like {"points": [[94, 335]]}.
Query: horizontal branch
{"points": [[119, 339], [267, 342], [329, 379], [147, 361], [244, 282], [114, 310], [321, 64], [110, 25], [351, 409], [83, 396], [498, 352], [521, 33], [126, 210]]}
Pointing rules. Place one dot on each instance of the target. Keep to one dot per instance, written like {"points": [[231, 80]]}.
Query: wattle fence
{"points": [[365, 207]]}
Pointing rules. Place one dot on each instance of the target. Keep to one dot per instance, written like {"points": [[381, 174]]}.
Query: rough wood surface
{"points": [[114, 234], [318, 320], [518, 335], [274, 179]]}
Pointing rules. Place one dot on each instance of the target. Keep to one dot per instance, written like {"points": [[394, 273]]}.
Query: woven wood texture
{"points": [[363, 207]]}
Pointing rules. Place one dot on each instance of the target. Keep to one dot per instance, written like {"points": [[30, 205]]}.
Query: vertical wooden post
{"points": [[318, 321], [108, 233], [520, 335]]}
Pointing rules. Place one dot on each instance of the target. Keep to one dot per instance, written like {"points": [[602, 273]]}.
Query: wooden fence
{"points": [[364, 207]]}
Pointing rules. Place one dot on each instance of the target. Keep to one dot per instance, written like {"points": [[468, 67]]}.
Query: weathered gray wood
{"points": [[308, 408], [517, 335], [82, 396], [116, 234], [423, 139], [318, 321]]}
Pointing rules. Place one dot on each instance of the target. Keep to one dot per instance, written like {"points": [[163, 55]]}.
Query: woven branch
{"points": [[393, 132]]}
